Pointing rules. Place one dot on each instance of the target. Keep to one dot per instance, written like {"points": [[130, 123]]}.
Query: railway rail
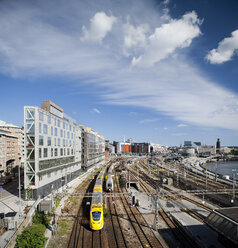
{"points": [[141, 228]]}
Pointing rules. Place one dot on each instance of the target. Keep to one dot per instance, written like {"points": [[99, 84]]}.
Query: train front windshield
{"points": [[96, 216]]}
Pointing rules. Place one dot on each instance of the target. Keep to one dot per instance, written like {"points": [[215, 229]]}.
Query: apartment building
{"points": [[52, 149], [8, 151], [11, 147]]}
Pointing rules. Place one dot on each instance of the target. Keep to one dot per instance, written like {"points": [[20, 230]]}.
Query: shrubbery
{"points": [[32, 236], [40, 218]]}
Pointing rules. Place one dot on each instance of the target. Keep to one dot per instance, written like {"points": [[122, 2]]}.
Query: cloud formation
{"points": [[163, 42], [225, 50], [100, 25]]}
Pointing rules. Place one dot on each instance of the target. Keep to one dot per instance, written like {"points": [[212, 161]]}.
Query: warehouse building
{"points": [[52, 149]]}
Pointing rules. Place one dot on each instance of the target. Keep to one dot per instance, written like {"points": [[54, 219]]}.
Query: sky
{"points": [[155, 71]]}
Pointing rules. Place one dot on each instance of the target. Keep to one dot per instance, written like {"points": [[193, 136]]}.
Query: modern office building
{"points": [[52, 149], [93, 147]]}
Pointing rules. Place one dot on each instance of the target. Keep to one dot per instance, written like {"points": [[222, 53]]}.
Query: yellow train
{"points": [[96, 211]]}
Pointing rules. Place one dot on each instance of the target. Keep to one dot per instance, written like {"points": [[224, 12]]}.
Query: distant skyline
{"points": [[159, 71]]}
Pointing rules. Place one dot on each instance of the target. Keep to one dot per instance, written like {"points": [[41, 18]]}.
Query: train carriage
{"points": [[96, 211]]}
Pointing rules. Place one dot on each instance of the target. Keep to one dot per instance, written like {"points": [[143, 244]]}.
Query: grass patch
{"points": [[74, 200], [106, 213], [63, 227]]}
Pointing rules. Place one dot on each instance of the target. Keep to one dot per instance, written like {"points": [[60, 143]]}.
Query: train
{"points": [[109, 182], [96, 210]]}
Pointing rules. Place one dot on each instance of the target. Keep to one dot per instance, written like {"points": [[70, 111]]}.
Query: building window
{"points": [[64, 151], [68, 135], [72, 151], [68, 151], [61, 151], [52, 152], [40, 129], [39, 152], [52, 131], [64, 134], [70, 127], [58, 123], [72, 136], [58, 141], [56, 152], [63, 125], [49, 119], [56, 131], [61, 133], [45, 152], [45, 129], [41, 140], [55, 142], [49, 141], [41, 116], [70, 143]]}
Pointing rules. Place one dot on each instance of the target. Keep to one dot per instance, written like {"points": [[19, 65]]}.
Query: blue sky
{"points": [[160, 71]]}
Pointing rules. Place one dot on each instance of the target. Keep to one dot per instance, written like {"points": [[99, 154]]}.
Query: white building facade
{"points": [[52, 149]]}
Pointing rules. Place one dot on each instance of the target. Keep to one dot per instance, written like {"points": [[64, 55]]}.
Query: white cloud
{"points": [[166, 128], [135, 37], [182, 125], [225, 50], [148, 120], [100, 25], [168, 37], [96, 111]]}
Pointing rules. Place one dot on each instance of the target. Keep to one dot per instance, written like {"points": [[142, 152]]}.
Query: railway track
{"points": [[145, 237], [179, 233], [81, 234]]}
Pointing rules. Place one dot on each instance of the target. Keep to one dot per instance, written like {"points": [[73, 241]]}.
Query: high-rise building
{"points": [[52, 149]]}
